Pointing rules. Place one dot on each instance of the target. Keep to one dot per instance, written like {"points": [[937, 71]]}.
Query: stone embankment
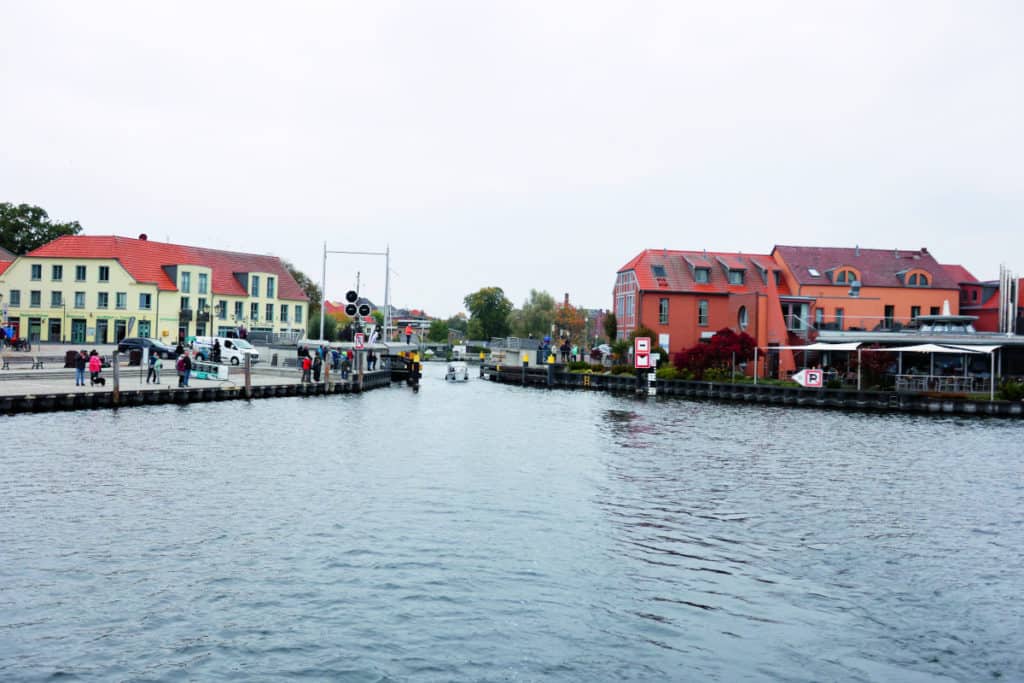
{"points": [[554, 377]]}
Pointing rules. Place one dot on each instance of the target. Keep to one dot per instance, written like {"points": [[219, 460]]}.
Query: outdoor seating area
{"points": [[942, 383]]}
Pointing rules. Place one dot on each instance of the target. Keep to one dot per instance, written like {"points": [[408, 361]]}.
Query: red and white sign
{"points": [[360, 340], [642, 353], [809, 378]]}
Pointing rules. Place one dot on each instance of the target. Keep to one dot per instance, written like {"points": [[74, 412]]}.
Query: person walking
{"points": [[180, 367], [408, 333], [151, 374], [317, 367], [95, 366], [155, 369], [188, 369], [80, 362]]}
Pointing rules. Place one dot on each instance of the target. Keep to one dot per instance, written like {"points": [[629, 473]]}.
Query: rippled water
{"points": [[486, 532]]}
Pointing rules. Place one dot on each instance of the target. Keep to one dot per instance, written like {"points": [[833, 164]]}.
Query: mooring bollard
{"points": [[248, 375]]}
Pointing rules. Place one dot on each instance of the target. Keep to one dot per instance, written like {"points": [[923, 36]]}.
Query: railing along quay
{"points": [[555, 377]]}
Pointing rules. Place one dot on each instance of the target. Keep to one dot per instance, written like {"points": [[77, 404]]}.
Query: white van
{"points": [[232, 350]]}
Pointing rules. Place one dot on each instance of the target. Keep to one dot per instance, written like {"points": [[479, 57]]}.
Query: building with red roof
{"points": [[687, 296], [91, 289], [980, 298]]}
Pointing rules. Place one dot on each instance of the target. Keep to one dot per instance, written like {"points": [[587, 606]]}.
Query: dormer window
{"points": [[917, 280], [702, 275], [845, 276], [659, 271], [735, 277]]}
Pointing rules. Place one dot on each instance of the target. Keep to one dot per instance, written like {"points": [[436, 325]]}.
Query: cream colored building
{"points": [[90, 289]]}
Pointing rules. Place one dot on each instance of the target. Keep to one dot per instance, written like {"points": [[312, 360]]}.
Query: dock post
{"points": [[248, 376], [116, 398]]}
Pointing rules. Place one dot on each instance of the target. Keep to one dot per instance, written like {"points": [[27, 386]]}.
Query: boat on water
{"points": [[457, 372]]}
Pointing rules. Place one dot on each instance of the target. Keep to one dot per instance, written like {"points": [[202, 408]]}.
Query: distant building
{"points": [[980, 298], [87, 289]]}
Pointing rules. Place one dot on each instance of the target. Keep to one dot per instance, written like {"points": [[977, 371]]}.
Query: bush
{"points": [[718, 375], [1011, 390], [577, 365], [667, 372], [623, 370], [833, 384]]}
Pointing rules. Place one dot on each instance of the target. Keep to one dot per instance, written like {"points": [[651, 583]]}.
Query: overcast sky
{"points": [[523, 145]]}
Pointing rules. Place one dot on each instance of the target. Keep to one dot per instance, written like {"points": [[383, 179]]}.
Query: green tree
{"points": [[458, 322], [438, 331], [313, 291], [535, 317], [489, 309], [25, 227], [611, 326]]}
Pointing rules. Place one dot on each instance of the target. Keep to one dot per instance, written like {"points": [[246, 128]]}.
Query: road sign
{"points": [[360, 340], [809, 378], [642, 353]]}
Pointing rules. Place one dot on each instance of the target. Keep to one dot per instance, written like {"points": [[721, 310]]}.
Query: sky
{"points": [[524, 145]]}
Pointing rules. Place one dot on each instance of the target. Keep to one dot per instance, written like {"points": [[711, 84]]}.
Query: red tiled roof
{"points": [[959, 273], [878, 267], [145, 260], [679, 267], [4, 265]]}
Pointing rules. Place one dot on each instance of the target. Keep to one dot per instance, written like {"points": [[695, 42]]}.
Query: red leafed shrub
{"points": [[717, 352]]}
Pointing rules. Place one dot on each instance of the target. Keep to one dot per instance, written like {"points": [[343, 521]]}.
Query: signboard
{"points": [[360, 340], [809, 378], [642, 353]]}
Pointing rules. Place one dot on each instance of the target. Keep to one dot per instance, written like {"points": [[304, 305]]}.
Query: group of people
{"points": [[311, 362], [91, 361]]}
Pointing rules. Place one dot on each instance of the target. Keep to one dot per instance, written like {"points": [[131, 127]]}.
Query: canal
{"points": [[487, 532]]}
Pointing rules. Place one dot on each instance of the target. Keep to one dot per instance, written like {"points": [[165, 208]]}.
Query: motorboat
{"points": [[457, 372]]}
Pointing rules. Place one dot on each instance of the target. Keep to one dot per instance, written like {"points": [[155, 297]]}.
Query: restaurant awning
{"points": [[819, 346]]}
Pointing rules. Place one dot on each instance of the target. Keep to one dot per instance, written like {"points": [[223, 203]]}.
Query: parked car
{"points": [[232, 351], [140, 343]]}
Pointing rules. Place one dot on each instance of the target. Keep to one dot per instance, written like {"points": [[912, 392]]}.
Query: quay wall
{"points": [[127, 398], [879, 401]]}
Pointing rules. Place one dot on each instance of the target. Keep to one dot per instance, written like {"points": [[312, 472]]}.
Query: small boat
{"points": [[457, 372]]}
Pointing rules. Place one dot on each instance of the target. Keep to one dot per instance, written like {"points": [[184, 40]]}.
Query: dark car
{"points": [[140, 343]]}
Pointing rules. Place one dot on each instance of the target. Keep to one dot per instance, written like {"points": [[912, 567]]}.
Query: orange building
{"points": [[687, 296], [861, 289]]}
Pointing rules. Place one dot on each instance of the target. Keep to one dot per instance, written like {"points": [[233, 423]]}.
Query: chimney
{"points": [[567, 299], [856, 250]]}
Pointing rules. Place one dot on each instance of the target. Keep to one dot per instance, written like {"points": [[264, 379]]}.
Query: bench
{"points": [[36, 363]]}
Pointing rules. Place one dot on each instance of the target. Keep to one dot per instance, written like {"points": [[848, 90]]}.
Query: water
{"points": [[482, 532]]}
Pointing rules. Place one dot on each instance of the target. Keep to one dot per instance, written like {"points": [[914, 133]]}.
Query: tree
{"points": [[489, 309], [458, 322], [438, 331], [611, 326], [535, 317], [25, 227], [570, 319]]}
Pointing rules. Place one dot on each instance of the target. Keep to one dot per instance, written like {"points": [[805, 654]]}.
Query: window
{"points": [[145, 301], [974, 295], [270, 313], [254, 311], [186, 282], [839, 318], [890, 315], [298, 313], [702, 275], [79, 299], [121, 300], [702, 312], [238, 310], [79, 273], [57, 273], [735, 277], [185, 304], [814, 272], [104, 274], [914, 312], [284, 313], [663, 311], [819, 317], [35, 298], [255, 286], [620, 307], [742, 317], [201, 304], [934, 310], [659, 271], [15, 297], [778, 277], [37, 271], [56, 299], [270, 289], [841, 277], [918, 280], [222, 310], [204, 280], [102, 300]]}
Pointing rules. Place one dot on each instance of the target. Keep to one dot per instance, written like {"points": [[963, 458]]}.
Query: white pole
{"points": [[992, 377], [323, 291], [387, 292], [755, 365], [858, 369]]}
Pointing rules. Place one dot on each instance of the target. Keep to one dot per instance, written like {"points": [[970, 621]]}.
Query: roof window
{"points": [[659, 271], [814, 272]]}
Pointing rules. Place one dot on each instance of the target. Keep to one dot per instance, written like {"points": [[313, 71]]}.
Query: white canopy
{"points": [[928, 348], [977, 349], [819, 346]]}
